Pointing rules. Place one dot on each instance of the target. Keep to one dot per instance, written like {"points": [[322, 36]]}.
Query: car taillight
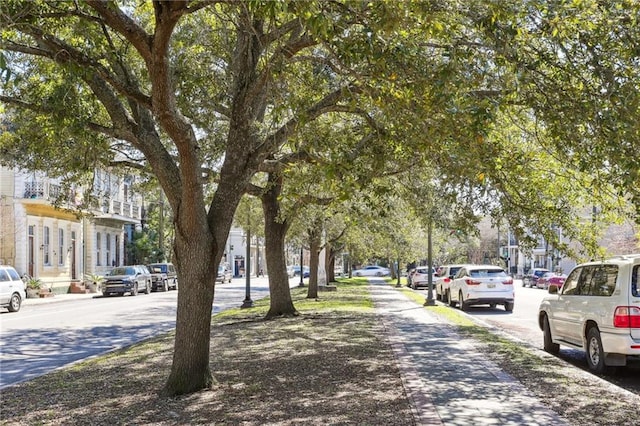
{"points": [[447, 280], [508, 282], [469, 281], [626, 317]]}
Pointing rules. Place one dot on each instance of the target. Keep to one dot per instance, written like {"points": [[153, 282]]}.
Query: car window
{"points": [[3, 275], [453, 271], [570, 286], [603, 280], [13, 274], [159, 267], [584, 282], [635, 275], [487, 273]]}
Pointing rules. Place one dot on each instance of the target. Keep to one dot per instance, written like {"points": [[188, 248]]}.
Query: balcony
{"points": [[116, 208], [41, 190]]}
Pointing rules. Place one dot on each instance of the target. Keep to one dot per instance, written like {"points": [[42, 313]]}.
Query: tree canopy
{"points": [[500, 102]]}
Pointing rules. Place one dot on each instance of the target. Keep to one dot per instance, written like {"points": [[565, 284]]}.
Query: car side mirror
{"points": [[553, 289]]}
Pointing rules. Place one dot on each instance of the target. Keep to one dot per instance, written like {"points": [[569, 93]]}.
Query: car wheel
{"points": [[492, 305], [15, 303], [508, 306], [105, 294], [548, 345], [595, 354], [378, 274], [358, 274], [134, 291], [464, 306]]}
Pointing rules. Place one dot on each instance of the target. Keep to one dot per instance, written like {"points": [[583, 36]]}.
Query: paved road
{"points": [[43, 337]]}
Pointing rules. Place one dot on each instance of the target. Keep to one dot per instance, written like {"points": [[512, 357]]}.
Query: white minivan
{"points": [[597, 310], [11, 289]]}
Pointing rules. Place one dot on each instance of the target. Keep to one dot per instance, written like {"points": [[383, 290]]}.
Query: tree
{"points": [[103, 83], [205, 94]]}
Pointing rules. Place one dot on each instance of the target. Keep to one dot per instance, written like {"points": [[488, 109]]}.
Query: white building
{"points": [[59, 245]]}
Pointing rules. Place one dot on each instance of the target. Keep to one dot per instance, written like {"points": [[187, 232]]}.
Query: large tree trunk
{"points": [[196, 279], [275, 231]]}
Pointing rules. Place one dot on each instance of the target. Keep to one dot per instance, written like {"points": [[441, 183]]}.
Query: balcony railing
{"points": [[120, 208], [43, 190]]}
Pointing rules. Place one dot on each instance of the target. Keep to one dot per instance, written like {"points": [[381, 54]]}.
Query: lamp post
{"points": [[301, 267], [429, 301], [248, 303]]}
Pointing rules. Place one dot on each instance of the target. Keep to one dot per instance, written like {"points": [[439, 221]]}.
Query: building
{"points": [[60, 243]]}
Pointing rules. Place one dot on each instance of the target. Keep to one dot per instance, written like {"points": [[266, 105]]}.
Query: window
{"points": [[108, 249], [592, 280], [570, 286], [487, 273], [635, 276], [604, 280], [98, 243], [45, 246], [61, 247]]}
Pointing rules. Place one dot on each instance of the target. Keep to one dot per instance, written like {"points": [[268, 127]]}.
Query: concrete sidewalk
{"points": [[448, 381]]}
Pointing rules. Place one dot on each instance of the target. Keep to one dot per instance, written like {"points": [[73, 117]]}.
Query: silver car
{"points": [[11, 289]]}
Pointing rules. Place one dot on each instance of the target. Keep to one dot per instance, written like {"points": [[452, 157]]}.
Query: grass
{"points": [[329, 365]]}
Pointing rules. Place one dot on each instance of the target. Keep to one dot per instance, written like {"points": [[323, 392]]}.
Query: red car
{"points": [[550, 278]]}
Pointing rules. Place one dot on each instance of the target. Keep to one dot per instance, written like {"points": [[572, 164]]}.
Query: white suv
{"points": [[420, 277], [11, 289], [597, 310], [481, 285], [444, 276]]}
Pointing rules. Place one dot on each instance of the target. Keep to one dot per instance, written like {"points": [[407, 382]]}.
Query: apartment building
{"points": [[59, 244]]}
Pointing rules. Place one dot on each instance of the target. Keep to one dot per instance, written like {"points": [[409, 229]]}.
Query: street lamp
{"points": [[248, 303], [429, 301], [301, 267]]}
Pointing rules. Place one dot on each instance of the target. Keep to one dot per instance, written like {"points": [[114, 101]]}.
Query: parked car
{"points": [[170, 275], [296, 271], [372, 271], [481, 285], [597, 311], [550, 278], [444, 275], [224, 274], [291, 271], [158, 279], [531, 278], [12, 291], [127, 279], [420, 277]]}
